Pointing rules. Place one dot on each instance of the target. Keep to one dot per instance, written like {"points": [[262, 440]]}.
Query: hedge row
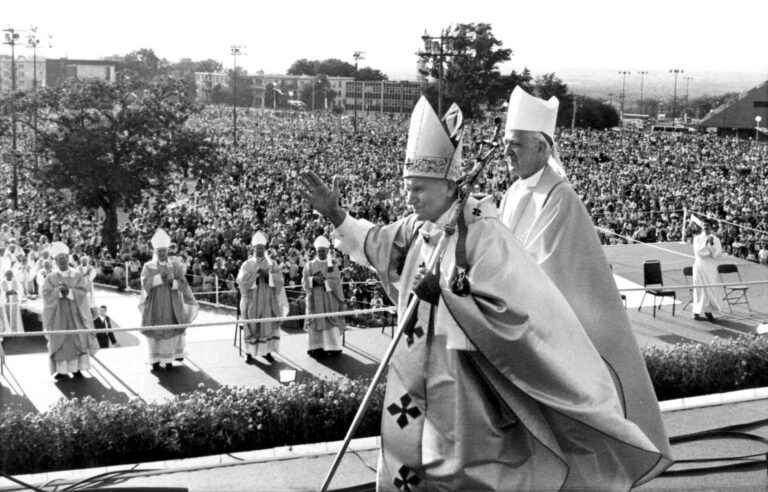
{"points": [[83, 433]]}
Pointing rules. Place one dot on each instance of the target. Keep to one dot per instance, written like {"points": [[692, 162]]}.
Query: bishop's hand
{"points": [[321, 198]]}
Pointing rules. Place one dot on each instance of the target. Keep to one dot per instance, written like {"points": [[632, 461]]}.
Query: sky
{"points": [[545, 36]]}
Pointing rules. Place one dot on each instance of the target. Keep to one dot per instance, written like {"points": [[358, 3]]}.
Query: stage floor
{"points": [[665, 329]]}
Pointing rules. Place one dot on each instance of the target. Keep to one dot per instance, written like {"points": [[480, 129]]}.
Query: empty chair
{"points": [[733, 294], [654, 285], [688, 274]]}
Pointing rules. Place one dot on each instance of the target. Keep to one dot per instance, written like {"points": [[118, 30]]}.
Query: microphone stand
{"points": [[465, 186]]}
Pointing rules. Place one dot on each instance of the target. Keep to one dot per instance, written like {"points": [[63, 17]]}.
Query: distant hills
{"points": [[658, 84]]}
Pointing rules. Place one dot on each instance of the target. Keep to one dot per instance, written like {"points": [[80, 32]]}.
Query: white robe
{"points": [[11, 305], [705, 299], [546, 215]]}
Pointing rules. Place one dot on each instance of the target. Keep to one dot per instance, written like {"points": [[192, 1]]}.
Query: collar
{"points": [[532, 180], [474, 209]]}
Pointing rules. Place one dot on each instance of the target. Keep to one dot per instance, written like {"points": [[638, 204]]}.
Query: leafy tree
{"points": [[142, 64], [473, 69], [549, 85], [368, 73], [303, 67], [322, 90], [110, 143], [590, 113]]}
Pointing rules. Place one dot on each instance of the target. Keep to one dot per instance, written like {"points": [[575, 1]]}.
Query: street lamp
{"points": [[623, 74], [357, 55], [677, 72], [438, 48], [234, 50], [11, 38], [758, 119], [642, 73]]}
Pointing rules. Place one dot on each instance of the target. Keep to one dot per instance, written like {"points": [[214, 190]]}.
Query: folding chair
{"points": [[688, 274], [654, 285], [733, 294]]}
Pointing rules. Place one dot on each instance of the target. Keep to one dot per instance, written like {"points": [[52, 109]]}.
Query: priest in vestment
{"points": [[549, 220], [706, 248], [166, 300], [495, 385], [12, 294], [262, 295], [65, 307], [322, 283]]}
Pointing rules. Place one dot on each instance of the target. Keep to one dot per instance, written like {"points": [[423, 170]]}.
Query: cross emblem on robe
{"points": [[476, 212], [405, 410], [406, 479]]}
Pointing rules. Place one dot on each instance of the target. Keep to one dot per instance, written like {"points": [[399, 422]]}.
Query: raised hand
{"points": [[321, 198]]}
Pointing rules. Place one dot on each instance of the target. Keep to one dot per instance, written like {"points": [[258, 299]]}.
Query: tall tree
{"points": [[303, 67], [110, 143], [368, 73], [473, 68]]}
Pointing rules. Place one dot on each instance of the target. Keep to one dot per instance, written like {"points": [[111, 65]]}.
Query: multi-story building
{"points": [[205, 82], [375, 96], [383, 96], [28, 73], [60, 69]]}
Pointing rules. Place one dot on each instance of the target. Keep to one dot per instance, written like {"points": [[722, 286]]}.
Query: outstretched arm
{"points": [[323, 199]]}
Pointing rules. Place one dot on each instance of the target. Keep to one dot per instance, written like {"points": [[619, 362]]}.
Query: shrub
{"points": [[692, 369], [85, 433]]}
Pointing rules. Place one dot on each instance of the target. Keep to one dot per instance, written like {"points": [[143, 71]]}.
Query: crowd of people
{"points": [[635, 183]]}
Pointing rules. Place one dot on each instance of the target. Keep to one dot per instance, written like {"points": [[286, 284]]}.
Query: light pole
{"points": [[687, 88], [33, 41], [623, 74], [758, 119], [357, 55], [677, 72], [11, 38], [235, 50], [438, 48], [642, 73]]}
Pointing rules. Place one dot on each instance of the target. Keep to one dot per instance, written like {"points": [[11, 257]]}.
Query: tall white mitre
{"points": [[161, 239], [529, 113], [526, 112], [258, 238], [430, 152]]}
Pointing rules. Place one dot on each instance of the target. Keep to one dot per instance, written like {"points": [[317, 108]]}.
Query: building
{"points": [[740, 115], [29, 72], [382, 96], [205, 82], [58, 70]]}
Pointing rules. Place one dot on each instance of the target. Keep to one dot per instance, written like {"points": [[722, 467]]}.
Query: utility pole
{"points": [[438, 48], [575, 108], [235, 50], [623, 74], [33, 41], [687, 87], [357, 55], [677, 72], [642, 73], [11, 38]]}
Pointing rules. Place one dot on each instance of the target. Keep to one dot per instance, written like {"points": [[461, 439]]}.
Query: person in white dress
{"points": [[11, 296], [706, 248]]}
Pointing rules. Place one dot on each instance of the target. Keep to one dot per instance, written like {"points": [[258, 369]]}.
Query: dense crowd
{"points": [[635, 183]]}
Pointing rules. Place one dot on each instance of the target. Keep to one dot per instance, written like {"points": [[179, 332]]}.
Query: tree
{"points": [[142, 64], [368, 73], [303, 67], [473, 69], [110, 143], [590, 113]]}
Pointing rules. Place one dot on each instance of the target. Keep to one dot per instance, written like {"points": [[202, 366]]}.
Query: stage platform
{"points": [[627, 261]]}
